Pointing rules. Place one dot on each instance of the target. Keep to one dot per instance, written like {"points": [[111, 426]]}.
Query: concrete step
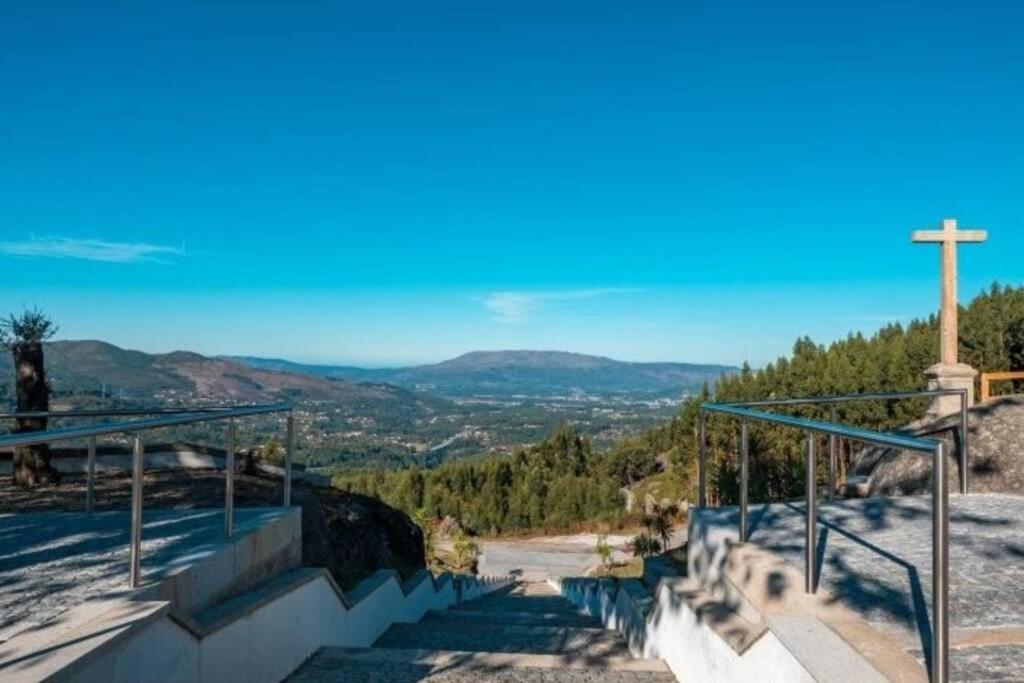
{"points": [[382, 665], [514, 618], [59, 647], [720, 614], [509, 603], [227, 611], [498, 637]]}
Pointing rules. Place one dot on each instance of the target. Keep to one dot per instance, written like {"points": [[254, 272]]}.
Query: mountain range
{"points": [[530, 373], [351, 417], [96, 367]]}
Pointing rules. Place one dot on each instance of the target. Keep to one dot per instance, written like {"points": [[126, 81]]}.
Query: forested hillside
{"points": [[893, 359], [549, 486], [562, 481]]}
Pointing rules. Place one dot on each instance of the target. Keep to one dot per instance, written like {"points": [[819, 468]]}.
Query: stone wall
{"points": [[263, 636]]}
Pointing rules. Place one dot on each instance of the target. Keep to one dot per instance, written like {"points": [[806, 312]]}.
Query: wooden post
{"points": [[988, 377]]}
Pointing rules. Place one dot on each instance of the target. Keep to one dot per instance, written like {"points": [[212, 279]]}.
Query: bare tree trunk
{"points": [[31, 463], [249, 461]]}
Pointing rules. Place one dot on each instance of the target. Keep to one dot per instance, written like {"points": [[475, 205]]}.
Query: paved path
{"points": [[537, 559], [527, 633]]}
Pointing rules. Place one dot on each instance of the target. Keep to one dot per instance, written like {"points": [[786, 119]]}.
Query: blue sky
{"points": [[400, 182]]}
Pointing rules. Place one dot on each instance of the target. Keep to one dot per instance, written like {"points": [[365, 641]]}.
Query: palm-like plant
{"points": [[645, 545], [24, 336], [31, 327], [661, 527]]}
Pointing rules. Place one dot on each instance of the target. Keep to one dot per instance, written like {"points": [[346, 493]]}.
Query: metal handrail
{"points": [[849, 398], [833, 444], [886, 439], [69, 433], [940, 503], [167, 418], [128, 412]]}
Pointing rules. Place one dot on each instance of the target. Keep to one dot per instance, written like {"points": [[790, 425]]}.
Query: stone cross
{"points": [[949, 237]]}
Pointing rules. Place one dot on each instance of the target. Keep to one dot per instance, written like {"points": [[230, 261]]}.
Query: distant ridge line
{"points": [[521, 372]]}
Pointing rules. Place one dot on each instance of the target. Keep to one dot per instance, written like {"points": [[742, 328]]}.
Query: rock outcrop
{"points": [[354, 535], [996, 431]]}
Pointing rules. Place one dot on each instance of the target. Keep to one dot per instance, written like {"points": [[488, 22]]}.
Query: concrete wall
{"points": [[259, 549], [267, 640], [664, 627], [806, 636], [110, 636], [271, 642], [159, 649]]}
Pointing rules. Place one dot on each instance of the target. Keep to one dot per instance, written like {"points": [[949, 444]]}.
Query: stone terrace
{"points": [[875, 556], [51, 562]]}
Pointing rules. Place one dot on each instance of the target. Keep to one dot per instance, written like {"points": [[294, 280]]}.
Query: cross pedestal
{"points": [[942, 376], [949, 373]]}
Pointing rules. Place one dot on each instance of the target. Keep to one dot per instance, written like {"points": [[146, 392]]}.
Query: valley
{"points": [[480, 403]]}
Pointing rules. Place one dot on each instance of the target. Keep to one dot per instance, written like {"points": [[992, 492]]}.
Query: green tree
{"points": [[466, 552], [427, 524], [1015, 345], [893, 359]]}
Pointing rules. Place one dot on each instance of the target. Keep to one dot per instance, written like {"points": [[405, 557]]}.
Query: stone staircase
{"points": [[524, 633]]}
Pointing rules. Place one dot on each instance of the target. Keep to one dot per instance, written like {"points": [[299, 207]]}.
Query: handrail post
{"points": [[229, 482], [744, 477], [289, 451], [90, 476], [833, 453], [810, 541], [135, 574], [964, 443], [940, 567], [702, 498]]}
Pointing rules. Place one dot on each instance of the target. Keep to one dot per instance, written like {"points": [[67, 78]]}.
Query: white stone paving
{"points": [[876, 556], [51, 562]]}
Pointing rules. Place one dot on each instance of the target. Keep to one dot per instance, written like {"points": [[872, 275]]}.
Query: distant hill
{"points": [[534, 373], [95, 366]]}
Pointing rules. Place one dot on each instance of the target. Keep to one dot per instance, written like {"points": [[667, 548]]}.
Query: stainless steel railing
{"points": [[940, 500], [877, 396], [129, 412], [165, 418]]}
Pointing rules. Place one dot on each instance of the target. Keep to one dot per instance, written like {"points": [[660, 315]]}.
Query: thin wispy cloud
{"points": [[515, 307], [90, 250]]}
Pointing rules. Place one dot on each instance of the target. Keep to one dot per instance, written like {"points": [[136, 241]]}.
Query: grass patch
{"points": [[634, 569], [668, 484]]}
